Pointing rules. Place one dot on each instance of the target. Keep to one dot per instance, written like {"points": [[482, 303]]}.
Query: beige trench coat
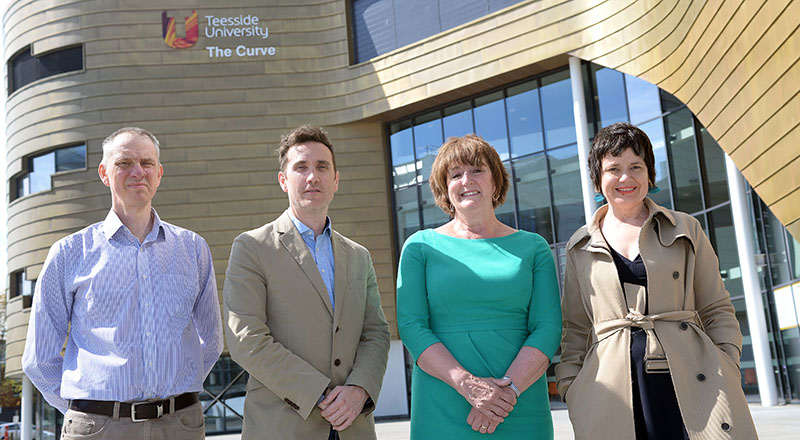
{"points": [[692, 331]]}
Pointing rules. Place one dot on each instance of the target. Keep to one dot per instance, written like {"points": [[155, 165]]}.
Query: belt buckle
{"points": [[159, 408]]}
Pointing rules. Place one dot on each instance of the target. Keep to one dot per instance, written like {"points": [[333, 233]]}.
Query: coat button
{"points": [[337, 362], [726, 427], [337, 329], [683, 326], [676, 275], [701, 377]]}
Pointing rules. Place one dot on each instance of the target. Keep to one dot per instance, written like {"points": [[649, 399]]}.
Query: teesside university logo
{"points": [[171, 38]]}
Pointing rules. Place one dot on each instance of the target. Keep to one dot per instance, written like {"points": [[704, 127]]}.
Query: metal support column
{"points": [[26, 428], [752, 288], [581, 121]]}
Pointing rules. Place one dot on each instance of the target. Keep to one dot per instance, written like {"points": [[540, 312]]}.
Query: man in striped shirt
{"points": [[136, 300]]}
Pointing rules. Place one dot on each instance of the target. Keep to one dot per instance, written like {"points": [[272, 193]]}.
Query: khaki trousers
{"points": [[184, 424]]}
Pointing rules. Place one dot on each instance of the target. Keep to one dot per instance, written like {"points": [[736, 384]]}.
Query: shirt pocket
{"points": [[179, 295]]}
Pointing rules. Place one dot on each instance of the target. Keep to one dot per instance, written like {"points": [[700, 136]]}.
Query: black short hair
{"points": [[614, 140]]}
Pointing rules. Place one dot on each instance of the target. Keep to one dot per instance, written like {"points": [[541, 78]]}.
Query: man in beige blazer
{"points": [[303, 311]]}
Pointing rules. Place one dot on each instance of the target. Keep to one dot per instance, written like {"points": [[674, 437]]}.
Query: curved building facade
{"points": [[219, 82]]}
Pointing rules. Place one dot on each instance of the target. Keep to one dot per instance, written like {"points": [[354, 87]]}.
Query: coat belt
{"points": [[655, 359]]}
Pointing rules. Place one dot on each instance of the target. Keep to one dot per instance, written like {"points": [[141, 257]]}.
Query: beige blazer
{"points": [[693, 334], [282, 329]]}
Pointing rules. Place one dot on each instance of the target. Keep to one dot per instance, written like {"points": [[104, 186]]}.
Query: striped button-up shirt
{"points": [[321, 249], [143, 318]]}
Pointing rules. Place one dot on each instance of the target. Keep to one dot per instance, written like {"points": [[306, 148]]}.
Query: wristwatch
{"points": [[512, 386]]}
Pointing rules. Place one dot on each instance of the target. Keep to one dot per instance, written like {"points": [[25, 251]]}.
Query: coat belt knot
{"points": [[655, 359]]}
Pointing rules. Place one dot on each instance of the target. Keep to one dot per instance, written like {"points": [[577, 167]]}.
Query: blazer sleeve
{"points": [[576, 327], [372, 353], [712, 301], [250, 341]]}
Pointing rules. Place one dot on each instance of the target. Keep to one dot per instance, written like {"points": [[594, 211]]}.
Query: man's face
{"points": [[309, 178], [132, 171]]}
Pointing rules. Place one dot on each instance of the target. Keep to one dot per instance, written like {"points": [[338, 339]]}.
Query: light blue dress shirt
{"points": [[321, 249], [145, 319]]}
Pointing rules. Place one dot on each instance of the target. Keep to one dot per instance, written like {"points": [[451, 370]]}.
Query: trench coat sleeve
{"points": [[712, 301], [544, 312], [576, 328], [372, 353], [413, 315], [250, 341]]}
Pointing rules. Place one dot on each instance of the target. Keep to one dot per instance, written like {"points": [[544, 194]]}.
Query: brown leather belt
{"points": [[137, 411]]}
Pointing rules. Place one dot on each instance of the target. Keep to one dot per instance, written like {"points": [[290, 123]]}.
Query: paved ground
{"points": [[775, 423]]}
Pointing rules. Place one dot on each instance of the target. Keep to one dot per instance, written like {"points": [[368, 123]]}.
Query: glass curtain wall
{"points": [[532, 127]]}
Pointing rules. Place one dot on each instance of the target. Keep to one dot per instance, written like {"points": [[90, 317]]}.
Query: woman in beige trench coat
{"points": [[681, 312]]}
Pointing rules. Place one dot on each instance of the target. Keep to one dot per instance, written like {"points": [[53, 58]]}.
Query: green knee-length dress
{"points": [[484, 299]]}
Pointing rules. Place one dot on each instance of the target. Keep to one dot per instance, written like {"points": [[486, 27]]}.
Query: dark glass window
{"points": [[533, 194], [655, 131], [683, 151], [643, 101], [406, 204], [490, 122], [524, 119], [506, 213], [432, 215], [724, 241], [427, 140], [610, 87], [715, 176], [37, 176], [458, 120], [404, 167], [559, 122], [20, 285], [381, 26], [25, 68], [568, 210]]}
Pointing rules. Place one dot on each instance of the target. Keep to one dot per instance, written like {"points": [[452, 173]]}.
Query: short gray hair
{"points": [[136, 131]]}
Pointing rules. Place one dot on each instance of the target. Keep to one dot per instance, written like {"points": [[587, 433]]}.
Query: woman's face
{"points": [[624, 179], [470, 187]]}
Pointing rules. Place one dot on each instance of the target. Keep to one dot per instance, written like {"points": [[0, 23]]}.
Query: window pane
{"points": [[524, 119], [533, 194], [702, 219], [407, 212], [567, 198], [669, 102], [724, 241], [778, 262], [505, 212], [794, 252], [685, 174], [655, 131], [643, 102], [559, 122], [427, 140], [432, 215], [71, 158], [42, 167], [715, 178], [458, 120], [490, 122], [404, 167], [610, 100]]}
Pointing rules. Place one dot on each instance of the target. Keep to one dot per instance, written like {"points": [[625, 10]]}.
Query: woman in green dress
{"points": [[477, 308]]}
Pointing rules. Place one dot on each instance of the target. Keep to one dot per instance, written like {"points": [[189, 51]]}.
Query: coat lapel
{"points": [[340, 276], [291, 240]]}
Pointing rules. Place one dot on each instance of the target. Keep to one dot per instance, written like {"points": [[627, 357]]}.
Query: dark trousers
{"points": [[334, 435]]}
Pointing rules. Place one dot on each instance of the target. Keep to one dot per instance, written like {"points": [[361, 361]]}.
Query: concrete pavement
{"points": [[773, 423]]}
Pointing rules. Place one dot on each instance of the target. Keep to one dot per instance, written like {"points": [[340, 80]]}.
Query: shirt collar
{"points": [[112, 224], [303, 229]]}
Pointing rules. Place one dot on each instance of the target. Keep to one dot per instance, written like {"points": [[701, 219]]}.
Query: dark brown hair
{"points": [[466, 150], [614, 140], [304, 133]]}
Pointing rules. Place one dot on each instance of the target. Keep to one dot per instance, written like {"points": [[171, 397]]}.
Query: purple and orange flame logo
{"points": [[170, 37]]}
